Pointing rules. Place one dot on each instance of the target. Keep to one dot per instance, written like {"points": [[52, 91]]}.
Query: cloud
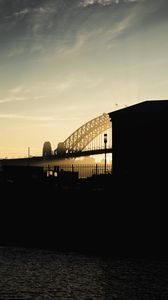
{"points": [[22, 12], [39, 118], [11, 99], [48, 24], [16, 52], [150, 63], [85, 3], [26, 117], [17, 89], [57, 86], [20, 98]]}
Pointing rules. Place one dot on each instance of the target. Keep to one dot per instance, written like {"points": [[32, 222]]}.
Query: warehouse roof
{"points": [[156, 106]]}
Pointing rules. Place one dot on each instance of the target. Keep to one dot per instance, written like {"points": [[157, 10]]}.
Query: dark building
{"points": [[22, 174], [139, 134]]}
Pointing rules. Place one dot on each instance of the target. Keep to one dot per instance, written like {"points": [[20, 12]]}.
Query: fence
{"points": [[83, 170]]}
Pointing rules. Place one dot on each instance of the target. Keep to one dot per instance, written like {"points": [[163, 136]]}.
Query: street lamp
{"points": [[105, 142]]}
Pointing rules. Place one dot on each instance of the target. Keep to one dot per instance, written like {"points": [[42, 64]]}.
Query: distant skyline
{"points": [[64, 62]]}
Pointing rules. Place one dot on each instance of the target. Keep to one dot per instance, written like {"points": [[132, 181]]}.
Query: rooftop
{"points": [[145, 107]]}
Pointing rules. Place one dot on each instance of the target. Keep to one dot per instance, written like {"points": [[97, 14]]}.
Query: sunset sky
{"points": [[64, 62]]}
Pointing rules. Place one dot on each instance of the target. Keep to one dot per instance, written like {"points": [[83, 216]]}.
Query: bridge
{"points": [[86, 140]]}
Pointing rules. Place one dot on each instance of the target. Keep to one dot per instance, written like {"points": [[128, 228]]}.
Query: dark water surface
{"points": [[41, 274]]}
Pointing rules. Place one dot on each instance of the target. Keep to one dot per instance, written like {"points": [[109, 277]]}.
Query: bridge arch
{"points": [[80, 138]]}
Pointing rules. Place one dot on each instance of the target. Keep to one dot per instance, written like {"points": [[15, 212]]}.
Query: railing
{"points": [[84, 171]]}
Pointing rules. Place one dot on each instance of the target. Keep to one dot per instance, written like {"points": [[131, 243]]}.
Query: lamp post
{"points": [[105, 142]]}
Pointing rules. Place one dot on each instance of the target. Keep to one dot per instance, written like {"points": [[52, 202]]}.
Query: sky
{"points": [[65, 62]]}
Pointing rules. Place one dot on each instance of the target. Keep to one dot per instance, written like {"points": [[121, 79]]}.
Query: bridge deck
{"points": [[40, 160]]}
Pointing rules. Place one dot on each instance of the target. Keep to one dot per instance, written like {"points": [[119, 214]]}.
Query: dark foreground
{"points": [[32, 274], [117, 217]]}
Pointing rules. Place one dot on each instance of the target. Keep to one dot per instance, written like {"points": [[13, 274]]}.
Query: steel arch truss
{"points": [[78, 140]]}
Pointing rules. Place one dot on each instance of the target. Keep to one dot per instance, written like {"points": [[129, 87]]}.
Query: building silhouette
{"points": [[139, 134], [102, 214]]}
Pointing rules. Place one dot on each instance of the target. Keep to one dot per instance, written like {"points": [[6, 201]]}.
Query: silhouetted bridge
{"points": [[87, 140]]}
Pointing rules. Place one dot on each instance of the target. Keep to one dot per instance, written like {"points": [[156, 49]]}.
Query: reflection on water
{"points": [[40, 274]]}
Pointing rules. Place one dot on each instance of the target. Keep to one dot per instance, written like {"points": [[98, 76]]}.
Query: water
{"points": [[40, 274]]}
